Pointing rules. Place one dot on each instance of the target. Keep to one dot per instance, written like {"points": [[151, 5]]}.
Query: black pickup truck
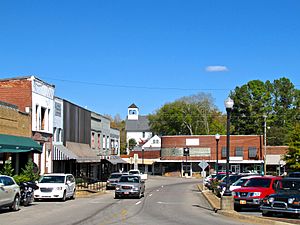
{"points": [[286, 201]]}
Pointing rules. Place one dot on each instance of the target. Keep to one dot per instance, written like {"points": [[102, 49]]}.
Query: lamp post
{"points": [[229, 105], [265, 144], [186, 152], [217, 136], [143, 150]]}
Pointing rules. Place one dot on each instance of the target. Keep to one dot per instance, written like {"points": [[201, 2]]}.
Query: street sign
{"points": [[203, 164]]}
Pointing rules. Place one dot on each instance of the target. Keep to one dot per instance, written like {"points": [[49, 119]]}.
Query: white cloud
{"points": [[216, 69]]}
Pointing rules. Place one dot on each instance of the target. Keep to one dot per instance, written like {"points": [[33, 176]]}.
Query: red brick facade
{"points": [[17, 92], [209, 141]]}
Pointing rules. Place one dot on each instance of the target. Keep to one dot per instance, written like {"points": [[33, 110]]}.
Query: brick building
{"points": [[246, 153], [15, 135], [35, 97]]}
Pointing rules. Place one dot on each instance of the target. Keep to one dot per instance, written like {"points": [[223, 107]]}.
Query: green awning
{"points": [[16, 144]]}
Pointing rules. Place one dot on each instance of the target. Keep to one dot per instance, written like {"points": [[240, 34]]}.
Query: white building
{"points": [[137, 126]]}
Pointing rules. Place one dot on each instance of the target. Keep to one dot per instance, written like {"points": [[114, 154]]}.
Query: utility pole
{"points": [[265, 144]]}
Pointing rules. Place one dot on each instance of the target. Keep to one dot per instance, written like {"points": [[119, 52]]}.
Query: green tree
{"points": [[292, 158], [7, 169], [131, 143], [195, 114]]}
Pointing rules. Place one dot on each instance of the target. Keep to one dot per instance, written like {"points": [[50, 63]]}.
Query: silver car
{"points": [[113, 180], [9, 193], [130, 186]]}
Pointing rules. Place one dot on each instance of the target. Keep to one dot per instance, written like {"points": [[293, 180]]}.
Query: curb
{"points": [[214, 202]]}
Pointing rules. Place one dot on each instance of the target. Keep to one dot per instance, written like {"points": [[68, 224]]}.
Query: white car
{"points": [[56, 186], [9, 193], [240, 182]]}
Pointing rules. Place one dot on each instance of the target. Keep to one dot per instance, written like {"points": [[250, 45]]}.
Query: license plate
{"points": [[243, 202], [126, 193]]}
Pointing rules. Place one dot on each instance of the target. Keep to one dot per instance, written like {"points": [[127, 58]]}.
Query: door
{"points": [[235, 168]]}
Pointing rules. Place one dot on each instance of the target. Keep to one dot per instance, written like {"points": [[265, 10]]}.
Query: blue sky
{"points": [[109, 54]]}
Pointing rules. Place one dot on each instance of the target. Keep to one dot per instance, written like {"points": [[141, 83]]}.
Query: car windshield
{"points": [[290, 185], [115, 175], [52, 179], [258, 182], [133, 172], [240, 182], [129, 179]]}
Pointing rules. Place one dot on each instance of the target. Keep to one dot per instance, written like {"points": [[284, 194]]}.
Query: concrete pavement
{"points": [[215, 203]]}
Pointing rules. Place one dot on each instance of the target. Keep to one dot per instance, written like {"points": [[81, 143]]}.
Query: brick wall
{"points": [[13, 122], [17, 92], [277, 150], [209, 141]]}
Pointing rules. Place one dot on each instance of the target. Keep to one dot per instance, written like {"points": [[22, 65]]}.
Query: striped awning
{"points": [[62, 153]]}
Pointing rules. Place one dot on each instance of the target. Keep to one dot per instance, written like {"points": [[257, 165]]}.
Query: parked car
{"points": [[113, 180], [255, 190], [219, 190], [240, 182], [210, 184], [294, 174], [130, 186], [56, 186], [9, 193], [286, 200]]}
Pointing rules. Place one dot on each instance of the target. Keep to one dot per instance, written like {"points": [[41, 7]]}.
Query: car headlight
{"points": [[256, 194], [108, 181], [291, 200], [59, 188], [271, 199], [117, 187]]}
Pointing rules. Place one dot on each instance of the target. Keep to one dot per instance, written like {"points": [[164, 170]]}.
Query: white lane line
{"points": [[150, 195], [139, 202], [157, 190]]}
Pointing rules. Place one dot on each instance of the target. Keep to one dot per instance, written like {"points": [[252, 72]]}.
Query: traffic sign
{"points": [[203, 164]]}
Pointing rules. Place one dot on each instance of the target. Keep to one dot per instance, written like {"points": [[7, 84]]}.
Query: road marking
{"points": [[150, 195], [157, 190], [139, 202], [162, 186], [169, 203]]}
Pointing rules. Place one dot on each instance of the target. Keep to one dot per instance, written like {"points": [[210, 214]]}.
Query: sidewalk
{"points": [[215, 204]]}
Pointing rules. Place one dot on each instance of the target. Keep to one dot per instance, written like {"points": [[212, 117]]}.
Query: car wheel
{"points": [[64, 197], [16, 204], [74, 194], [117, 196]]}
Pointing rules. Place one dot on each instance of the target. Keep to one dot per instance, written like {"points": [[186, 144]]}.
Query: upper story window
{"points": [[252, 152], [99, 142], [103, 142], [223, 152], [43, 118], [93, 140], [239, 151], [132, 112]]}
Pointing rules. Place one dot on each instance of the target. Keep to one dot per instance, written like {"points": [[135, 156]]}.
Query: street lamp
{"points": [[217, 136], [265, 144], [186, 153], [143, 150], [228, 105]]}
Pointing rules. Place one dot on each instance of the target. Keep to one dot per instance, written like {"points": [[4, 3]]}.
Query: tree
{"points": [[195, 114], [278, 100], [131, 143], [292, 158]]}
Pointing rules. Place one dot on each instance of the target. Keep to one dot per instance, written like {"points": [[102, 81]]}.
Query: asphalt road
{"points": [[168, 201]]}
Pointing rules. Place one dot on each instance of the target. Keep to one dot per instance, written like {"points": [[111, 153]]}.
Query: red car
{"points": [[254, 190]]}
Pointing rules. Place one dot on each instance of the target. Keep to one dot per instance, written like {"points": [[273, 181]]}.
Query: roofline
{"points": [[29, 77]]}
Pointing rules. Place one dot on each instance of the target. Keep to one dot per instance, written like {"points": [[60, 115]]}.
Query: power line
{"points": [[136, 87]]}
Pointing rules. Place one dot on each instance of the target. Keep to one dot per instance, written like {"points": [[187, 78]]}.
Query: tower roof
{"points": [[133, 106]]}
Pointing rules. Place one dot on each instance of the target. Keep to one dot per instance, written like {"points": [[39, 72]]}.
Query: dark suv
{"points": [[286, 200]]}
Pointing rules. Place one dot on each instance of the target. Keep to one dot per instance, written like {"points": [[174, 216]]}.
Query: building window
{"points": [[99, 142], [223, 152], [239, 151], [57, 134], [132, 112], [37, 120], [103, 142], [107, 142], [144, 134], [54, 134], [43, 118], [93, 140], [252, 152]]}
